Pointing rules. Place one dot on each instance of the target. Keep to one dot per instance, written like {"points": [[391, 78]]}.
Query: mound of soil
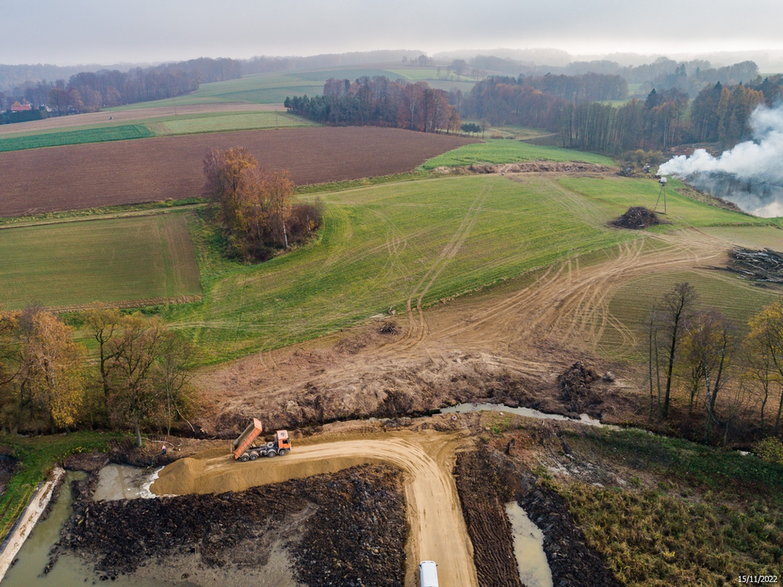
{"points": [[483, 499], [637, 218], [765, 265], [575, 386], [403, 389], [348, 528], [528, 167]]}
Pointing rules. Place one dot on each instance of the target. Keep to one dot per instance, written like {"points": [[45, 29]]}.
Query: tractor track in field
{"points": [[505, 345], [417, 328]]}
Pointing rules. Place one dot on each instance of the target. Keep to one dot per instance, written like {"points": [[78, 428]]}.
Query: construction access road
{"points": [[437, 528]]}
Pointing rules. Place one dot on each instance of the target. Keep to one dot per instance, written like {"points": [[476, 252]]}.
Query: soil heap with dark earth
{"points": [[347, 528], [488, 479], [575, 385], [765, 265], [637, 218]]}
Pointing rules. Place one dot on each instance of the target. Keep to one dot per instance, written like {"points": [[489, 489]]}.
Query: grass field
{"points": [[685, 514], [377, 244], [509, 151], [738, 300], [616, 193], [75, 137], [140, 258], [272, 88], [152, 127], [37, 456]]}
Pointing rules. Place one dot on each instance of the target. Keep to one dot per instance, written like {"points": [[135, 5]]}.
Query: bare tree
{"points": [[135, 397], [707, 347], [766, 332], [104, 323], [672, 311], [173, 377]]}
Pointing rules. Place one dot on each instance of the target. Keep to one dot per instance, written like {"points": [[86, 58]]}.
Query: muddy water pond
{"points": [[124, 482], [69, 570], [528, 548]]}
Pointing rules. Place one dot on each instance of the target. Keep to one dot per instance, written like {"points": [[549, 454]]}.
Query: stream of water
{"points": [[527, 412]]}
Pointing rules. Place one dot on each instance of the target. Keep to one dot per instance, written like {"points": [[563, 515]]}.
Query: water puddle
{"points": [[528, 548], [527, 412], [124, 482]]}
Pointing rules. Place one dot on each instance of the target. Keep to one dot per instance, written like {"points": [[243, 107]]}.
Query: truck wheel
{"points": [[272, 453], [253, 456], [244, 458], [282, 452]]}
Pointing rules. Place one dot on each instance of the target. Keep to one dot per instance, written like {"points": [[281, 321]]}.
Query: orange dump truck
{"points": [[245, 448]]}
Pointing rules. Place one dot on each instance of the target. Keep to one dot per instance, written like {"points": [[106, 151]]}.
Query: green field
{"points": [[273, 88], [74, 137], [382, 244], [153, 127], [510, 151], [738, 300], [379, 246], [614, 194], [139, 258], [224, 121]]}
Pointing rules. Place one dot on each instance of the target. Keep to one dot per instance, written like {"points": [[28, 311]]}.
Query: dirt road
{"points": [[438, 530]]}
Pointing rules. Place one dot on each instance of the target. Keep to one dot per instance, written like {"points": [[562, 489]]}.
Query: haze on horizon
{"points": [[88, 31]]}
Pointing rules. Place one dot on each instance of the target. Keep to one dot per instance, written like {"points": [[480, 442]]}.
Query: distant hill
{"points": [[12, 76]]}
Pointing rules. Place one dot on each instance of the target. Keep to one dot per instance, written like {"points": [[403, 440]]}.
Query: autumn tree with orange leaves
{"points": [[255, 206]]}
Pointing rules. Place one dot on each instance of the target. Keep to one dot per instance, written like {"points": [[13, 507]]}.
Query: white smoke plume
{"points": [[750, 174]]}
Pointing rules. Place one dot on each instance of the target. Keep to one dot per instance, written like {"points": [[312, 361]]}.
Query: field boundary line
{"points": [[111, 216]]}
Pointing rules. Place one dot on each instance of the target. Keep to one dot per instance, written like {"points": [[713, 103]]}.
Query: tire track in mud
{"points": [[417, 325], [569, 301], [438, 530]]}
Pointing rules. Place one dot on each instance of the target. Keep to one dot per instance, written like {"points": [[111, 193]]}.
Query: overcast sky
{"points": [[67, 32]]}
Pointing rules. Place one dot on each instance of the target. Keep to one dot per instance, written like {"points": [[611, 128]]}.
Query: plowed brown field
{"points": [[146, 170]]}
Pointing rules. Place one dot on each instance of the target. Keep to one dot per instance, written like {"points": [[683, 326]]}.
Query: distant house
{"points": [[21, 107]]}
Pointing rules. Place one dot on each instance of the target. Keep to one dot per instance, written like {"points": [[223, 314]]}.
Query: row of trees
{"points": [[91, 91], [46, 382], [378, 101], [718, 114], [724, 376], [662, 74], [255, 206]]}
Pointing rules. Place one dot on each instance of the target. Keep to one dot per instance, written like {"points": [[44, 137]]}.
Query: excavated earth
{"points": [[347, 528], [528, 167], [486, 480]]}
